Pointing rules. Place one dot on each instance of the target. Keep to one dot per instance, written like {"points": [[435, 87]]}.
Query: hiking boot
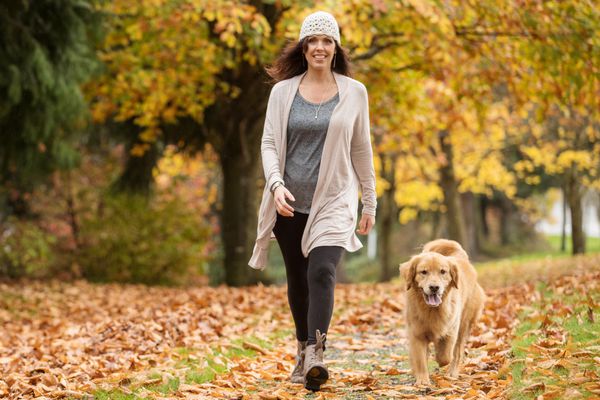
{"points": [[315, 371], [298, 372]]}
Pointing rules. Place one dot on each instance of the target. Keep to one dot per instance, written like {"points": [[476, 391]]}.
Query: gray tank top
{"points": [[305, 139]]}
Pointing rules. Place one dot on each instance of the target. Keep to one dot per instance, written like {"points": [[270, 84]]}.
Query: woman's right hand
{"points": [[280, 195]]}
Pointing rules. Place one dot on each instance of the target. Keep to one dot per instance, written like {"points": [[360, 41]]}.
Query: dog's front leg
{"points": [[444, 348], [458, 351], [418, 360]]}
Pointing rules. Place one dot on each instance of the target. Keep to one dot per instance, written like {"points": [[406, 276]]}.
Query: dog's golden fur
{"points": [[444, 315]]}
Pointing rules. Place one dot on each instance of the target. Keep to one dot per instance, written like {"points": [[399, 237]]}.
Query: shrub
{"points": [[139, 241], [25, 249]]}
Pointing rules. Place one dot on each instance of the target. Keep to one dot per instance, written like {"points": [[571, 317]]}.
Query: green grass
{"points": [[200, 368], [200, 376], [582, 336], [213, 368], [552, 250], [592, 244], [114, 395], [519, 351], [171, 386]]}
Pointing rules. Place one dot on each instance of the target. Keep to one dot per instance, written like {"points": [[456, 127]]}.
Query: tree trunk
{"points": [[238, 216], [437, 225], [456, 228], [387, 215], [18, 204], [469, 205], [485, 229], [137, 175], [71, 209], [234, 128], [507, 230], [574, 197]]}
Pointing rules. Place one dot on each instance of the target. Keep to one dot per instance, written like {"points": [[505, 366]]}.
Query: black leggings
{"points": [[310, 280]]}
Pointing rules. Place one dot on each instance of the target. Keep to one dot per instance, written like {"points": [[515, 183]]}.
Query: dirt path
{"points": [[367, 356]]}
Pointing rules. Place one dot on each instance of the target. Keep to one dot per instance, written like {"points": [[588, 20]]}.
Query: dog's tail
{"points": [[446, 248]]}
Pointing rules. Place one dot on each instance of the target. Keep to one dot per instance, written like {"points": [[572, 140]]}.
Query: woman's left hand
{"points": [[366, 224]]}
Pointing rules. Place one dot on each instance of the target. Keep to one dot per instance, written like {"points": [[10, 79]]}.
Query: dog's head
{"points": [[431, 273]]}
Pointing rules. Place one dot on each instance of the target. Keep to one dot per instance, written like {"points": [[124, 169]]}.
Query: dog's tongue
{"points": [[433, 300]]}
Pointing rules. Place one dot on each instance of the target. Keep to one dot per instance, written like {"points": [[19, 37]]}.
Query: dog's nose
{"points": [[434, 289]]}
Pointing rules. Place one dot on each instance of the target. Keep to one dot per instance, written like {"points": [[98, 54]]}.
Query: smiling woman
{"points": [[316, 152], [293, 60]]}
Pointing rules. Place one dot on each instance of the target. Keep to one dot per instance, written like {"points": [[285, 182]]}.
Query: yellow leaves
{"points": [[429, 10], [101, 111], [537, 131], [533, 180], [190, 178], [139, 150], [407, 214], [592, 133], [572, 158], [523, 167], [134, 31], [419, 195], [539, 156], [489, 173], [555, 158], [162, 60], [150, 134]]}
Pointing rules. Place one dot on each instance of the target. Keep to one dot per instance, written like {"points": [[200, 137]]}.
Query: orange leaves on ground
{"points": [[70, 340]]}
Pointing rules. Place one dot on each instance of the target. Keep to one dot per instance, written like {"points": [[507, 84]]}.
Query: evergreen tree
{"points": [[46, 52]]}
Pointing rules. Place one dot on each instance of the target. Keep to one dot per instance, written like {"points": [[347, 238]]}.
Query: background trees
{"points": [[47, 52], [473, 105]]}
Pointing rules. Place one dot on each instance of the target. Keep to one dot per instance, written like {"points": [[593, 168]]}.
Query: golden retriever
{"points": [[443, 301]]}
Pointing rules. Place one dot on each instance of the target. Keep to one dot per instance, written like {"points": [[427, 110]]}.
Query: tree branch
{"points": [[377, 48]]}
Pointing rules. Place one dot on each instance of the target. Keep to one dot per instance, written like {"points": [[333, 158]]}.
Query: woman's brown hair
{"points": [[291, 61]]}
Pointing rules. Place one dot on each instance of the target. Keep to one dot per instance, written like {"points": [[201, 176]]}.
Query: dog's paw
{"points": [[423, 380]]}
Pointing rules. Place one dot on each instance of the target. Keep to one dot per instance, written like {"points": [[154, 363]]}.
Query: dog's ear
{"points": [[454, 273], [408, 271]]}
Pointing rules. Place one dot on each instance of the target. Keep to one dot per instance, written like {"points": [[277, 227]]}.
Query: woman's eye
{"points": [[443, 271]]}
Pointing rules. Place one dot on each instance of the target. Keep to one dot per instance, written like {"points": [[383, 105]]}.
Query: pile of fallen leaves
{"points": [[80, 340]]}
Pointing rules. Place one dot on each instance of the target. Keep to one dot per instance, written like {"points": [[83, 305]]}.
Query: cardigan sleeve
{"points": [[362, 155], [268, 148]]}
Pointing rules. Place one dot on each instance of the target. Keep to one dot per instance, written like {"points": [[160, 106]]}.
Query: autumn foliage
{"points": [[75, 340]]}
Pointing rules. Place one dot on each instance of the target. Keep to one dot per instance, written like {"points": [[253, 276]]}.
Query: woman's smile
{"points": [[320, 50]]}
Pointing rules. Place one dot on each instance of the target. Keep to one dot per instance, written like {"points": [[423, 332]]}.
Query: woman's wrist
{"points": [[275, 186]]}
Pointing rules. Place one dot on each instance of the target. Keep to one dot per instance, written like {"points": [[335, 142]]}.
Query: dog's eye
{"points": [[424, 272], [443, 272]]}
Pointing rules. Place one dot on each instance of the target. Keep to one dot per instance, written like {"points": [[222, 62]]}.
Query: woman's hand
{"points": [[280, 195], [366, 224]]}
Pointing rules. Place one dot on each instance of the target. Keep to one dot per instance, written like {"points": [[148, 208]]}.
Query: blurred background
{"points": [[130, 132]]}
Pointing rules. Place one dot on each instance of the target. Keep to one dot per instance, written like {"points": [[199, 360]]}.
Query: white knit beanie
{"points": [[320, 23]]}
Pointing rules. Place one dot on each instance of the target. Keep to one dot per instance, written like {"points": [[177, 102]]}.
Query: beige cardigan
{"points": [[346, 162]]}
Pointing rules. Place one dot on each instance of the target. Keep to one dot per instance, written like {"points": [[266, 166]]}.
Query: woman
{"points": [[316, 151]]}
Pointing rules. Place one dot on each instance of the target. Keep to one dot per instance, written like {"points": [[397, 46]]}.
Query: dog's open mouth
{"points": [[433, 300]]}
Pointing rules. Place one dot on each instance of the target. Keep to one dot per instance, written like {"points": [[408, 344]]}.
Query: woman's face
{"points": [[319, 51]]}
